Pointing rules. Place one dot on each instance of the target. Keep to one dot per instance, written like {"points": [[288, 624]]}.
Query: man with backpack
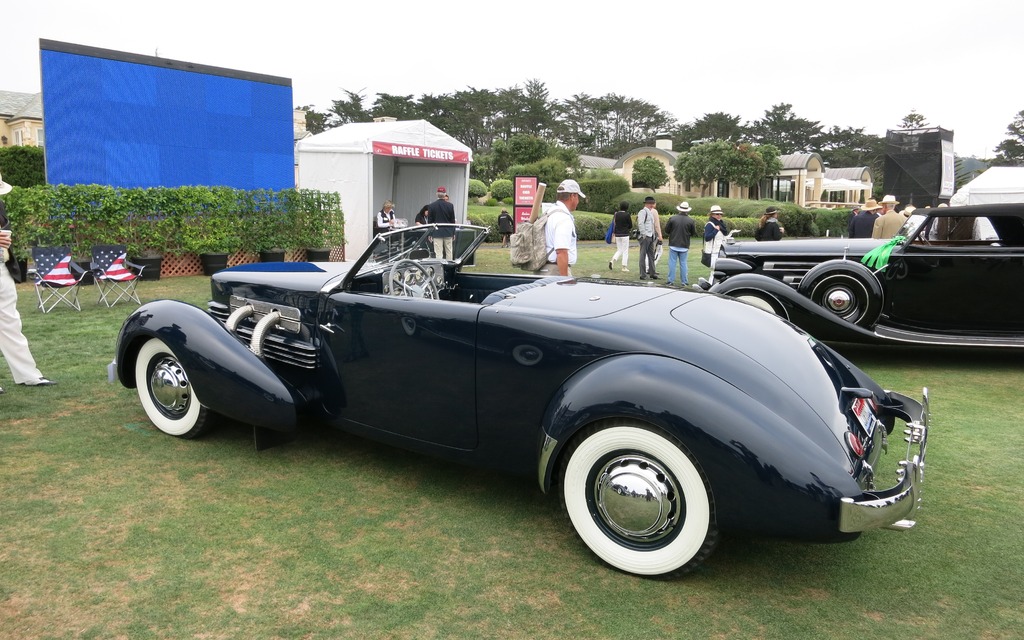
{"points": [[560, 230]]}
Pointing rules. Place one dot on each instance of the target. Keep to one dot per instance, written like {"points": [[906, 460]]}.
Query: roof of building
{"points": [[647, 152], [597, 162], [14, 105], [849, 173], [799, 160]]}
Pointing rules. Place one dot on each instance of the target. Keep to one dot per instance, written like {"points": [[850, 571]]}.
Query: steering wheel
{"points": [[409, 278]]}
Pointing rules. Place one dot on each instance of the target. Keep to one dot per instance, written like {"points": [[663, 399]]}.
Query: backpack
{"points": [[528, 248]]}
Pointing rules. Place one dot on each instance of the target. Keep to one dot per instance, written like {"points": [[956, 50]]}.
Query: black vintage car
{"points": [[954, 279], [660, 417]]}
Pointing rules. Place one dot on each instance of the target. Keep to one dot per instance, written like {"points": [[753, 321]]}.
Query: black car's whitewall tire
{"points": [[638, 500], [760, 299], [166, 394]]}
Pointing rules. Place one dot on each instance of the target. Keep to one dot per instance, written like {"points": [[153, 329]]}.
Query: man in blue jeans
{"points": [[679, 229]]}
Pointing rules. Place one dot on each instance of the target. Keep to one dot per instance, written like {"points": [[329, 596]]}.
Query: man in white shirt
{"points": [[650, 237], [560, 230]]}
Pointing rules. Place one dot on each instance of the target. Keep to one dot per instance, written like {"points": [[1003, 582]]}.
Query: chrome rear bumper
{"points": [[890, 508]]}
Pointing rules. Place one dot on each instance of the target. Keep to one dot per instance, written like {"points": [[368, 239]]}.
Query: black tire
{"points": [[638, 500], [847, 289], [166, 394]]}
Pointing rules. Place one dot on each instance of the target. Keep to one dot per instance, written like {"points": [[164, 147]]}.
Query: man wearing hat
{"points": [[714, 226], [441, 211], [560, 230], [649, 228], [863, 223], [889, 222], [13, 343], [680, 228]]}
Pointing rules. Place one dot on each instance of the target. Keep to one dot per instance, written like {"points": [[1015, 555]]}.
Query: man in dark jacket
{"points": [[441, 211], [679, 228], [861, 224]]}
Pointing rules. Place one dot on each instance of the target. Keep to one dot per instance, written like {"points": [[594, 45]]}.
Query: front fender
{"points": [[226, 376], [813, 319], [765, 475]]}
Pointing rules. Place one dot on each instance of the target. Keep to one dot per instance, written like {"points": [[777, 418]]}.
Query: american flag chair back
{"points": [[116, 278], [56, 278]]}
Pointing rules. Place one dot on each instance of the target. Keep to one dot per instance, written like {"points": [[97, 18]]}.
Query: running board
{"points": [[949, 340]]}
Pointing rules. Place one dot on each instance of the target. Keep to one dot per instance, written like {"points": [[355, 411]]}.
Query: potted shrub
{"points": [[211, 231], [316, 223]]}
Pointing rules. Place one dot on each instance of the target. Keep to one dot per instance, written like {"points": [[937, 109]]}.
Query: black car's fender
{"points": [[792, 305], [731, 437], [226, 376]]}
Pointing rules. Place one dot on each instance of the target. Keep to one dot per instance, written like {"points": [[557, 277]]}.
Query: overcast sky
{"points": [[850, 64]]}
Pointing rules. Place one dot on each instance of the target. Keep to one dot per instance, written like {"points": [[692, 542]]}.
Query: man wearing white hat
{"points": [[888, 222], [13, 344], [560, 230]]}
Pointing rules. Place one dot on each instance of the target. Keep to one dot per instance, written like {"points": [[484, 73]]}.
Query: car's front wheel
{"points": [[638, 500], [166, 393]]}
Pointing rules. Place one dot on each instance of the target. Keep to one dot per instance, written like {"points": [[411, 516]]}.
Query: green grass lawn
{"points": [[109, 529]]}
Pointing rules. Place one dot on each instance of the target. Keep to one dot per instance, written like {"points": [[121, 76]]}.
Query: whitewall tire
{"points": [[166, 393]]}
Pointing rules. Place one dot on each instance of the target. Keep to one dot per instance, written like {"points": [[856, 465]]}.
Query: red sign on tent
{"points": [[417, 152]]}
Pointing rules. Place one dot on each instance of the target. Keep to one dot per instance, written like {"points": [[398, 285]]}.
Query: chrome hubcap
{"points": [[169, 387], [839, 301], [637, 498]]}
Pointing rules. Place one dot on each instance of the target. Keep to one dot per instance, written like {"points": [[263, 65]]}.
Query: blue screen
{"points": [[128, 123]]}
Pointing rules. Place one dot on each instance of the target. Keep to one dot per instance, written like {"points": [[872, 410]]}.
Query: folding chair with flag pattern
{"points": [[115, 277], [57, 278]]}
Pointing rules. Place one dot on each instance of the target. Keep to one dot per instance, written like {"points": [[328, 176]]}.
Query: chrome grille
{"points": [[279, 345]]}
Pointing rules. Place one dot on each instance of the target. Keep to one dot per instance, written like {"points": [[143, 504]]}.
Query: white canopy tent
{"points": [[367, 163], [995, 185], [841, 184]]}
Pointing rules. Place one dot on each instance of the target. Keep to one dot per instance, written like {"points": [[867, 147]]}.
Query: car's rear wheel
{"points": [[638, 500], [166, 393], [846, 289]]}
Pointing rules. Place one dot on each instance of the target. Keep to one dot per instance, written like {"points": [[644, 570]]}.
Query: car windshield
{"points": [[911, 225], [415, 243]]}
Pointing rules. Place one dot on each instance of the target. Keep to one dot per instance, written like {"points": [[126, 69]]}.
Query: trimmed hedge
{"points": [[173, 220]]}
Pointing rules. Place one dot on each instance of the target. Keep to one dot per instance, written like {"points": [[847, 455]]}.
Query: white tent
{"points": [[842, 184], [369, 162], [995, 185]]}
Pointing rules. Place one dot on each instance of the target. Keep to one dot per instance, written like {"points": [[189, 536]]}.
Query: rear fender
{"points": [[226, 376], [731, 436]]}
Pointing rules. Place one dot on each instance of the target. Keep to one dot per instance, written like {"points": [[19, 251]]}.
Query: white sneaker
{"points": [[625, 269]]}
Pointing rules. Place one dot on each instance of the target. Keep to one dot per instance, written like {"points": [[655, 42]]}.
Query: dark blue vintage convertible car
{"points": [[660, 417], [955, 280]]}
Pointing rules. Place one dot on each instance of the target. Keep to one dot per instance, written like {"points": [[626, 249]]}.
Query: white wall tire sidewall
{"points": [[690, 540], [179, 427]]}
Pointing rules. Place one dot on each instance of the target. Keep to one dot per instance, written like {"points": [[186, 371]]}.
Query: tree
{"points": [[316, 122], [650, 173], [398, 107], [704, 163], [349, 109], [753, 163], [744, 164], [711, 126], [1010, 152], [913, 120], [782, 128], [853, 148]]}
